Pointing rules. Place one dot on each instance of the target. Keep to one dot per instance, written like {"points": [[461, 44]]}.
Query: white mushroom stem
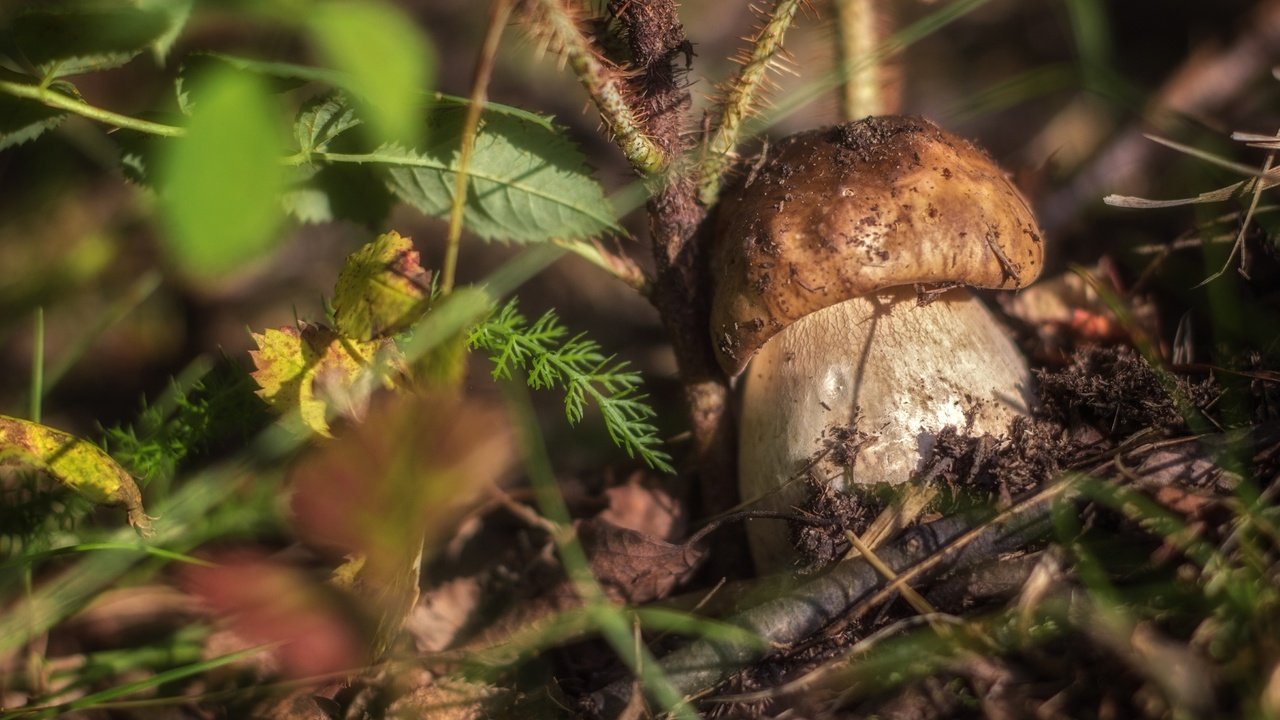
{"points": [[910, 370]]}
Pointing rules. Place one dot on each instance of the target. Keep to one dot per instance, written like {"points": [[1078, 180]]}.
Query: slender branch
{"points": [[602, 83], [498, 14], [741, 99], [58, 101]]}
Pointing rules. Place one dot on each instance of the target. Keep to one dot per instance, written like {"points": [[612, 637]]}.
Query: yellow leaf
{"points": [[78, 464], [315, 371], [381, 290]]}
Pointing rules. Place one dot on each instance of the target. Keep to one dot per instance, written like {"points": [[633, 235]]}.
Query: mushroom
{"points": [[840, 257]]}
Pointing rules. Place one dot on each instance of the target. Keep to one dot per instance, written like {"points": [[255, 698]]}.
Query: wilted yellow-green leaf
{"points": [[78, 464], [381, 290], [313, 371]]}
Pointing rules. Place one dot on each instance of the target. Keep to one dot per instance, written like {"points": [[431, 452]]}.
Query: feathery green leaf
{"points": [[581, 369]]}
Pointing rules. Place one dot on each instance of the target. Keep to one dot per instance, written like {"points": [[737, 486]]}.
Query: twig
{"points": [[790, 618], [741, 99], [601, 81], [498, 13]]}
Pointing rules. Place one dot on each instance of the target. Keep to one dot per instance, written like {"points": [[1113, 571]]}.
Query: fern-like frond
{"points": [[551, 358]]}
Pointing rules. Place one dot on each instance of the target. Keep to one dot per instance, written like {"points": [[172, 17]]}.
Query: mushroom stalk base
{"points": [[906, 372]]}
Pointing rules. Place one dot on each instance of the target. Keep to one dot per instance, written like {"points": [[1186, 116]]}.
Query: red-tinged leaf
{"points": [[393, 488], [382, 289], [315, 372], [315, 629]]}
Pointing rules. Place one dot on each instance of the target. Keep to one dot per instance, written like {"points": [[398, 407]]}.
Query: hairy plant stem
{"points": [[498, 13], [741, 99], [680, 289], [601, 81]]}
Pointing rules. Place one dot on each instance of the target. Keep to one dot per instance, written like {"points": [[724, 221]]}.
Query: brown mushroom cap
{"points": [[841, 212]]}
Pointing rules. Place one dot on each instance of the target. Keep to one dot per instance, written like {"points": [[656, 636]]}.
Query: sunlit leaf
{"points": [[527, 183], [75, 463], [382, 289], [387, 58], [313, 372], [221, 184]]}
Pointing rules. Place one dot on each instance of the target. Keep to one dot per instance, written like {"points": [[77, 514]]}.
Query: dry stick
{"points": [[498, 13], [790, 618]]}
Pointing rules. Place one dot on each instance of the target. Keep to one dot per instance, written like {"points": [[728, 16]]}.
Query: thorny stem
{"points": [[602, 83], [677, 229], [741, 99], [858, 25], [498, 14], [59, 101]]}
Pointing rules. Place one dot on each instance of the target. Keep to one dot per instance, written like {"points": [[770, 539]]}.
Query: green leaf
{"points": [[68, 38], [388, 60], [550, 358], [77, 464], [176, 13], [346, 191], [22, 120], [280, 77], [382, 289], [221, 183], [321, 121], [527, 183]]}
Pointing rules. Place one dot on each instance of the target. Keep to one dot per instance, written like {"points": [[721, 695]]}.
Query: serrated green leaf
{"points": [[278, 76], [389, 62], [346, 191], [381, 290], [527, 183], [321, 121], [22, 120], [341, 192], [60, 39], [311, 371], [75, 463], [221, 184], [176, 13]]}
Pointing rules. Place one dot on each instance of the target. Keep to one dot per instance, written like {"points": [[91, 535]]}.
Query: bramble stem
{"points": [[741, 99], [602, 83], [498, 14], [58, 101]]}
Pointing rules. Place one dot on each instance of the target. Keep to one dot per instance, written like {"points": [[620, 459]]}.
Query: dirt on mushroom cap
{"points": [[840, 212]]}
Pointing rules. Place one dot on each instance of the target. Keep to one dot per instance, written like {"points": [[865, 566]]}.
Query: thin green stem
{"points": [[37, 368], [611, 622], [601, 81], [742, 98], [59, 101], [498, 14]]}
